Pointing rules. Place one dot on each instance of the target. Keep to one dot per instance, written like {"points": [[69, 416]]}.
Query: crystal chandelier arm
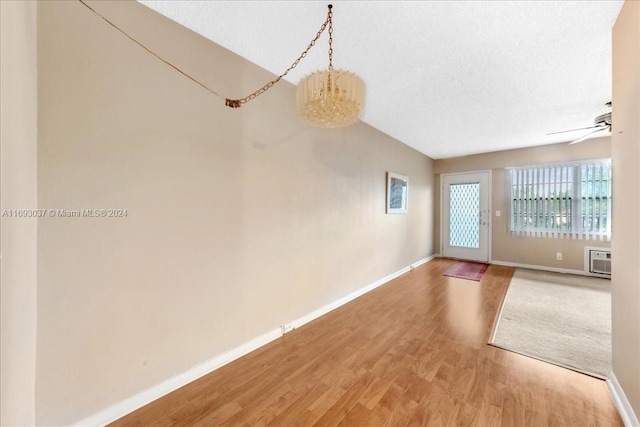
{"points": [[237, 103]]}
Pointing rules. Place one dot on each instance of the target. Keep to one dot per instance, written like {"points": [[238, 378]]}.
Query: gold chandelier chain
{"points": [[330, 38], [236, 103], [233, 103]]}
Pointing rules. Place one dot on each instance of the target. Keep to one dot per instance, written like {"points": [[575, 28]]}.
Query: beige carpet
{"points": [[562, 319]]}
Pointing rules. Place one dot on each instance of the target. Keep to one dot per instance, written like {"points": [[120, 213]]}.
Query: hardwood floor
{"points": [[412, 352]]}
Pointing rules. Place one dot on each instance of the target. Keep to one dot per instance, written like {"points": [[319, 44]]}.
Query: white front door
{"points": [[465, 214]]}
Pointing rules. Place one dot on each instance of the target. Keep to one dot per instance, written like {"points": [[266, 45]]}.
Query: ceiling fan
{"points": [[600, 123]]}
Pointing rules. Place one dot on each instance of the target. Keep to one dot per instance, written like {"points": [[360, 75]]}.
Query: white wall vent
{"points": [[598, 261]]}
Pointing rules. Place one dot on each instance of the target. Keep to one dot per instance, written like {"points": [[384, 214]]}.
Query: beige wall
{"points": [[625, 304], [238, 220], [18, 148], [523, 250]]}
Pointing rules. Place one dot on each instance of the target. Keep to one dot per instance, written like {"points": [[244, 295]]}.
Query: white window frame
{"points": [[540, 185]]}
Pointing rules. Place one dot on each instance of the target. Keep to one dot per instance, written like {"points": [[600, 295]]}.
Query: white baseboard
{"points": [[543, 267], [342, 301], [629, 417], [127, 406], [145, 397]]}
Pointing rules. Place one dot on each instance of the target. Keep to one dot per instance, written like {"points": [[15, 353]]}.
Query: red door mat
{"points": [[467, 270]]}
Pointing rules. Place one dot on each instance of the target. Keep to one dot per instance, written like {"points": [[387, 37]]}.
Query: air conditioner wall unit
{"points": [[598, 261]]}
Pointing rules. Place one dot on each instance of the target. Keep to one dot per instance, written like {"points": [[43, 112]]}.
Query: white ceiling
{"points": [[448, 78]]}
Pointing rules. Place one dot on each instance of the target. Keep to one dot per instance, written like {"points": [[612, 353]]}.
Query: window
{"points": [[562, 200]]}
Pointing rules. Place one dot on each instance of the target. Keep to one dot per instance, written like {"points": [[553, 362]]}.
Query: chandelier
{"points": [[328, 98]]}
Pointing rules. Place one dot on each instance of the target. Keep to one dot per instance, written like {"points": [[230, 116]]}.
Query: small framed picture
{"points": [[397, 192]]}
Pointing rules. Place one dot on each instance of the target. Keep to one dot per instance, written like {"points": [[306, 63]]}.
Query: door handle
{"points": [[480, 218]]}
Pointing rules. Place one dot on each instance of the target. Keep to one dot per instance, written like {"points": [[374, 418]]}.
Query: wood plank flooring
{"points": [[410, 353]]}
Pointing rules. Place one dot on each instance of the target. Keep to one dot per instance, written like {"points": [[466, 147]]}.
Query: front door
{"points": [[465, 216]]}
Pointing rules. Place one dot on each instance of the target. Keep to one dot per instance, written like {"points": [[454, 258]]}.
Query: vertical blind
{"points": [[570, 200]]}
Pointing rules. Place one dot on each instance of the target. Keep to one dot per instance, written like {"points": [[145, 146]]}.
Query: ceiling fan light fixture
{"points": [[600, 123], [603, 120]]}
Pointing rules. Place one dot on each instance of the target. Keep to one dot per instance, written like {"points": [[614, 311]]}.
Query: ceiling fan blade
{"points": [[571, 130], [587, 136]]}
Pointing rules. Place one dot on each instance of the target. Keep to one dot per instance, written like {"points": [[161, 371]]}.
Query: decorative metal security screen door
{"points": [[465, 216]]}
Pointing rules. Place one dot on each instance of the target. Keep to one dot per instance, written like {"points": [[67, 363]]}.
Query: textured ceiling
{"points": [[447, 78]]}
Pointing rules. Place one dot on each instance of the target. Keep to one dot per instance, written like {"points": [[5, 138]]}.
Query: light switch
{"points": [[498, 213]]}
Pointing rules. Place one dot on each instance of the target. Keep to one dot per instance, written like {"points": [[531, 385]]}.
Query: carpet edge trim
{"points": [[560, 365], [497, 320], [498, 315]]}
